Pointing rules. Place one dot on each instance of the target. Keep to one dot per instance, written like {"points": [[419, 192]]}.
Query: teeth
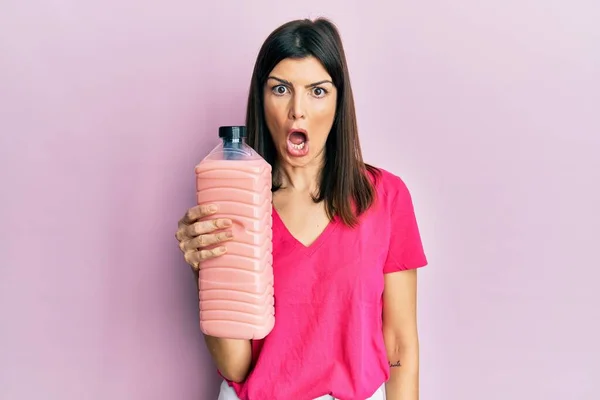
{"points": [[298, 146]]}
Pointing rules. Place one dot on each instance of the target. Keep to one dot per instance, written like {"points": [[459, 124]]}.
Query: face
{"points": [[300, 105]]}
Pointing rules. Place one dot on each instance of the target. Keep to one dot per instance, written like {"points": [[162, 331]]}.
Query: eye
{"points": [[319, 92], [279, 90]]}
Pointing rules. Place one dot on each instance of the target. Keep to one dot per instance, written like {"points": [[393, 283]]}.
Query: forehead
{"points": [[300, 71]]}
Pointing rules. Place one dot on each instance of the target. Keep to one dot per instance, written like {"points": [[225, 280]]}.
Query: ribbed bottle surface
{"points": [[236, 289]]}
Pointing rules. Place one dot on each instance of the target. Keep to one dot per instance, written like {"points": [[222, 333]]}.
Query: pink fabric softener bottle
{"points": [[236, 289]]}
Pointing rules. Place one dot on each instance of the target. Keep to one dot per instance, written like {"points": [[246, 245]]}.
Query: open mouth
{"points": [[298, 139], [297, 142]]}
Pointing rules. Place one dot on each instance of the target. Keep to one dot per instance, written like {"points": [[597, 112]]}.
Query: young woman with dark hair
{"points": [[346, 244]]}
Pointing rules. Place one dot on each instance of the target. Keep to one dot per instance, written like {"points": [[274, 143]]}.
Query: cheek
{"points": [[324, 114], [274, 112]]}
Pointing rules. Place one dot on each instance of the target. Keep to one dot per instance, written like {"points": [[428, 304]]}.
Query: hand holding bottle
{"points": [[201, 238]]}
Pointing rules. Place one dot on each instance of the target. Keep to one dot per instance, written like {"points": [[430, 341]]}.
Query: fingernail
{"points": [[222, 250], [228, 234], [226, 222], [212, 208]]}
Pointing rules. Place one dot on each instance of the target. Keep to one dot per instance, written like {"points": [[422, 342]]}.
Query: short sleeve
{"points": [[405, 247]]}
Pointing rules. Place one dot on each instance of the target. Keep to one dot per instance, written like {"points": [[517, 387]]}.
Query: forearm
{"points": [[404, 371], [232, 357]]}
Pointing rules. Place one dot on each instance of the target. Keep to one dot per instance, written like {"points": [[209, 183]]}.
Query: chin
{"points": [[297, 162], [304, 161], [286, 159]]}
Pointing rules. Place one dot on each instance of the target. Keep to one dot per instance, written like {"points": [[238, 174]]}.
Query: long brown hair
{"points": [[344, 183]]}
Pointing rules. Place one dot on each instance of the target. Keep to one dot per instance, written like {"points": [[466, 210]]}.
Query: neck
{"points": [[301, 179]]}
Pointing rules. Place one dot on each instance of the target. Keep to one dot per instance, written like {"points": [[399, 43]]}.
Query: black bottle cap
{"points": [[232, 132]]}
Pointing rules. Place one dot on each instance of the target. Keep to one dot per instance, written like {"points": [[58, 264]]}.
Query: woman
{"points": [[346, 245]]}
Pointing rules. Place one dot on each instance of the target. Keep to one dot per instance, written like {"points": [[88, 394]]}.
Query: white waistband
{"points": [[227, 393]]}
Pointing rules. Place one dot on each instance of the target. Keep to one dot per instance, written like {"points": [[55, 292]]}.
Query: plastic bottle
{"points": [[236, 288]]}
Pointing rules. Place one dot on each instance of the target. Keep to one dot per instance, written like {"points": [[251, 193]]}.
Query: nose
{"points": [[297, 107]]}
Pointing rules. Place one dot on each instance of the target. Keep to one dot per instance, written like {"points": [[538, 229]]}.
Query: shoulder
{"points": [[389, 186]]}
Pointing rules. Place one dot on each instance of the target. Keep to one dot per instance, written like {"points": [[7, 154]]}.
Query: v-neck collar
{"points": [[315, 245]]}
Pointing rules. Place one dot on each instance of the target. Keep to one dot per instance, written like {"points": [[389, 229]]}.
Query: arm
{"points": [[405, 256], [194, 233], [232, 357], [400, 335]]}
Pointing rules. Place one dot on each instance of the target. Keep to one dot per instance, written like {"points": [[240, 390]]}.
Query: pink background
{"points": [[489, 110]]}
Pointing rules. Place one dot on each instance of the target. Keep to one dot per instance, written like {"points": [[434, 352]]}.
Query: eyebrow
{"points": [[307, 86]]}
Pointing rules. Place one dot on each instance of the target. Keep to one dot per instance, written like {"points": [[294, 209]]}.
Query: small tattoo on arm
{"points": [[396, 364]]}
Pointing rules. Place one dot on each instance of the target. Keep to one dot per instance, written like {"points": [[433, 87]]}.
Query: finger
{"points": [[207, 254], [197, 212], [194, 258], [180, 235], [205, 240], [203, 227]]}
